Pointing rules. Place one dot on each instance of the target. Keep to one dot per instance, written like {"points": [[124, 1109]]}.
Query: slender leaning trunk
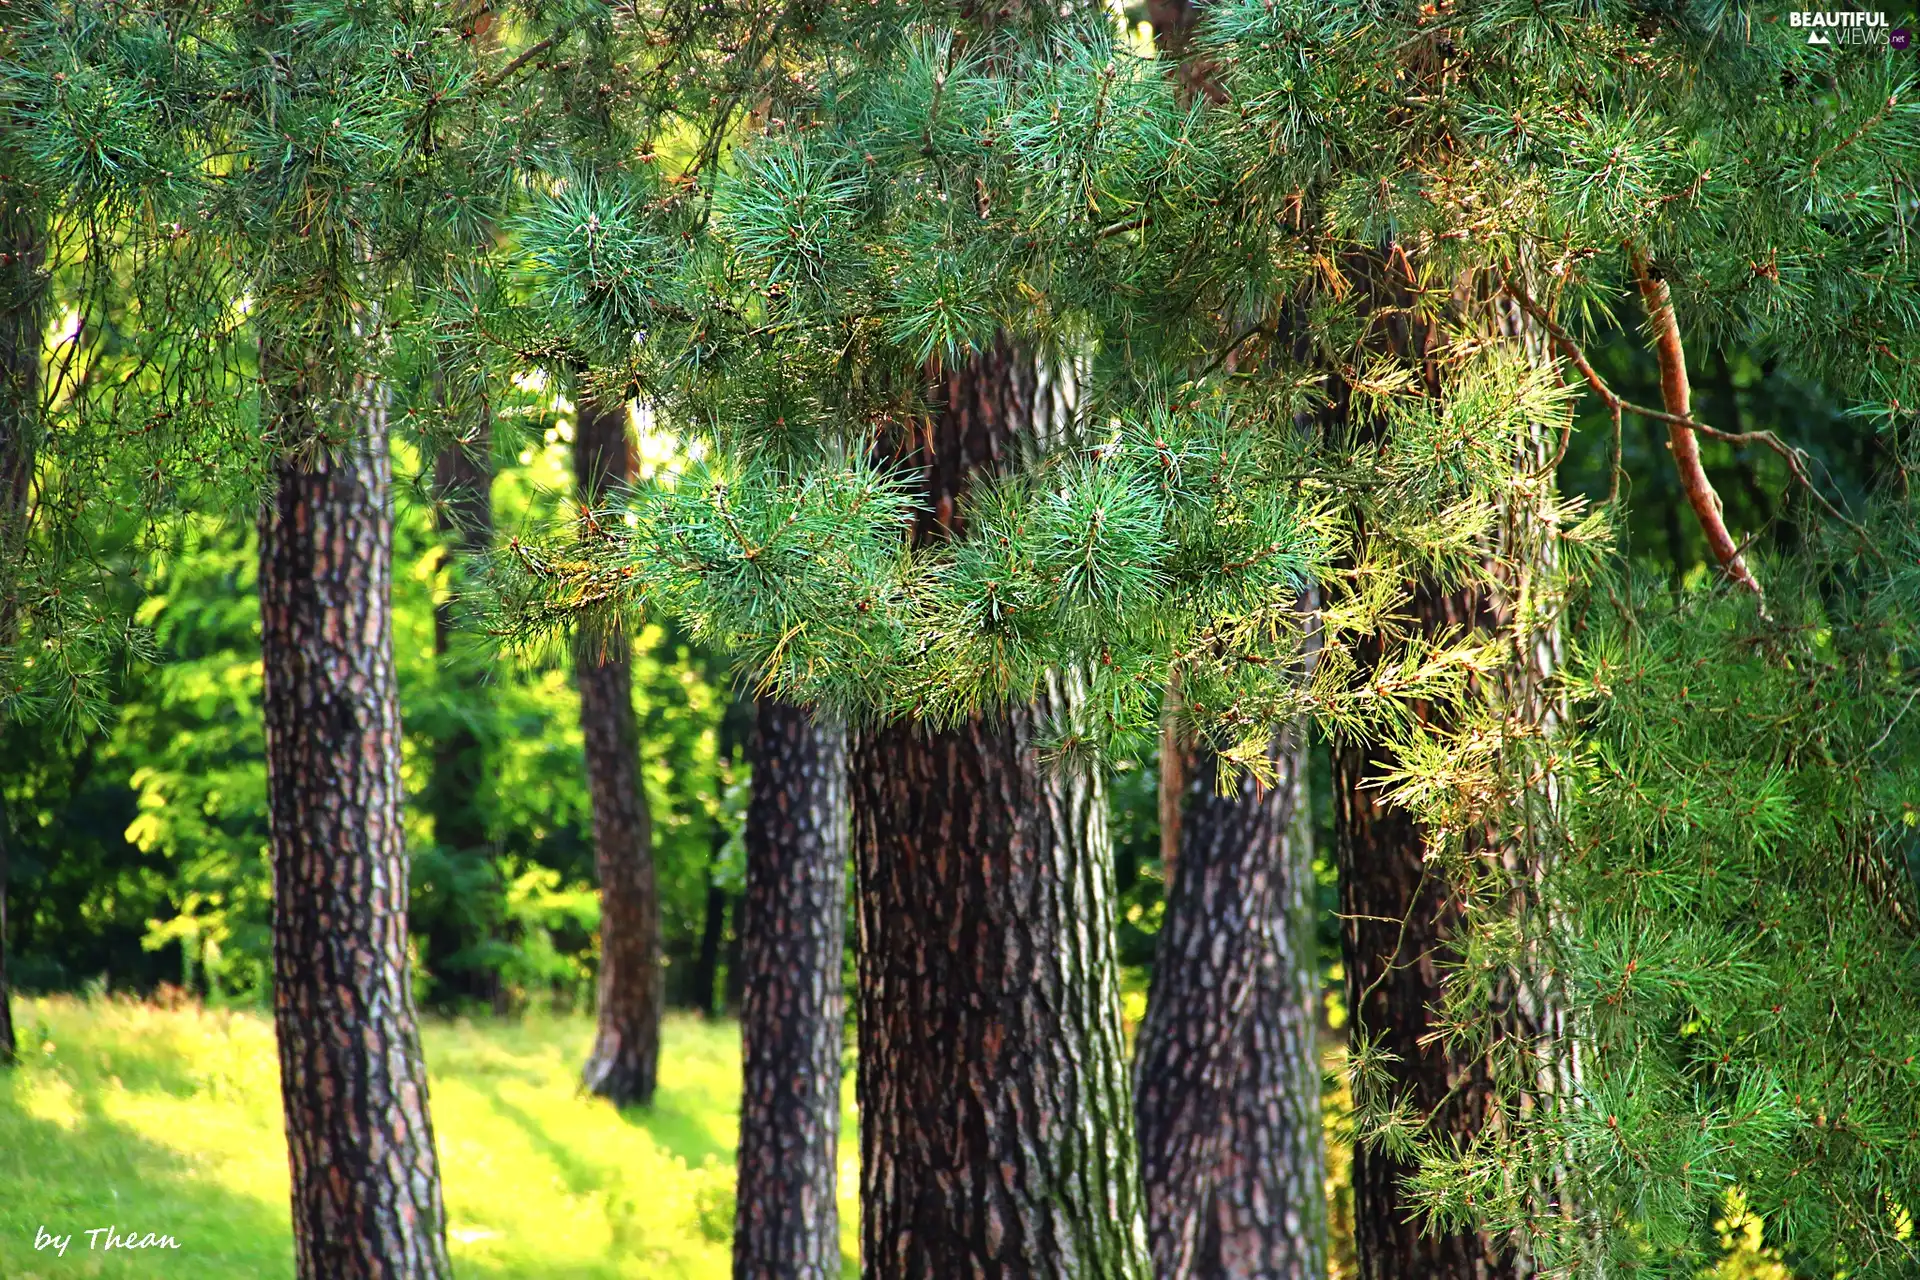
{"points": [[366, 1181], [996, 1126], [792, 1027], [625, 1062], [23, 297], [1227, 1076], [713, 924]]}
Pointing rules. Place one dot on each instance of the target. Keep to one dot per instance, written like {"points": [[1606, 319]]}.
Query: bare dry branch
{"points": [[1677, 393]]}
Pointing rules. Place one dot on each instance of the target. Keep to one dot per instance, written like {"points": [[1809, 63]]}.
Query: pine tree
{"points": [[1227, 1072], [792, 1027], [366, 1184], [1226, 1077], [366, 1188], [1519, 176], [989, 998], [624, 1064], [1398, 924], [239, 343]]}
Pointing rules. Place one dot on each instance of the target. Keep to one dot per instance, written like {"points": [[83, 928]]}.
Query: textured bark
{"points": [[1676, 392], [23, 299], [1395, 924], [463, 481], [996, 1127], [793, 940], [1227, 1076], [1397, 913], [366, 1183], [624, 1065]]}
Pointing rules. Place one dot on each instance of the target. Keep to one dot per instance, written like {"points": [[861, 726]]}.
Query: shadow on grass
{"points": [[502, 1050], [679, 1130], [581, 1177], [95, 1172], [675, 1130]]}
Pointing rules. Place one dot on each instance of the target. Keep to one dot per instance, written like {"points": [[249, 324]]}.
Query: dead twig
{"points": [[1678, 422], [1677, 393]]}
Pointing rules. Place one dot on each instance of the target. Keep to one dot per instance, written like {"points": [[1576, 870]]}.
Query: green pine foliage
{"points": [[1729, 926], [1301, 310], [257, 223]]}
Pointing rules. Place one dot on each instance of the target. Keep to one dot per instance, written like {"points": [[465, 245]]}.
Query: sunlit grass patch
{"points": [[169, 1121]]}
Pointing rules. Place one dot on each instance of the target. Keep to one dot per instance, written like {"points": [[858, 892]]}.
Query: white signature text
{"points": [[110, 1237]]}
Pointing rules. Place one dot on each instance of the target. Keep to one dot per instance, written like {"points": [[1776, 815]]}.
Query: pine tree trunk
{"points": [[463, 481], [1398, 913], [996, 1126], [1395, 926], [366, 1181], [23, 309], [624, 1065], [793, 940], [1227, 1074]]}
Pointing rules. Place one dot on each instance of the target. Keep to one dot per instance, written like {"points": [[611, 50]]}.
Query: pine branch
{"points": [[1886, 109], [1173, 780], [520, 60], [1676, 391], [1616, 404]]}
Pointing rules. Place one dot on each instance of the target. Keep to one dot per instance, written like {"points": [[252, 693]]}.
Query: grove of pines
{"points": [[798, 639]]}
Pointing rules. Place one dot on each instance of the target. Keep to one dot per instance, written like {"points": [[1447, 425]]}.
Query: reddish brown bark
{"points": [[1173, 779], [1227, 1074], [1676, 392], [996, 1127], [366, 1185], [792, 1028], [625, 1061], [995, 1123]]}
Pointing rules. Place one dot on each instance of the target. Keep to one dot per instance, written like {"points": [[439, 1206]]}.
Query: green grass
{"points": [[168, 1121], [145, 1119]]}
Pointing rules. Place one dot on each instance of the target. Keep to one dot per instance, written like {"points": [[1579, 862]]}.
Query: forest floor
{"points": [[167, 1121], [143, 1120]]}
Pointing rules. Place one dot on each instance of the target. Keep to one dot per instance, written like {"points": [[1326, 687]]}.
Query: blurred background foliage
{"points": [[139, 847]]}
